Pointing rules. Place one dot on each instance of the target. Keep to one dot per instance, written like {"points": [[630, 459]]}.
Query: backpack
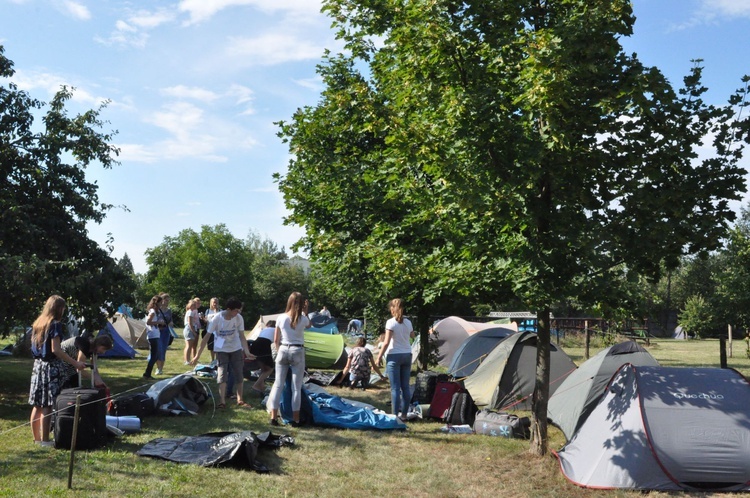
{"points": [[462, 410]]}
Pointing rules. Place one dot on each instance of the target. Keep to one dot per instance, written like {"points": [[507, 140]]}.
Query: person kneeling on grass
{"points": [[358, 364], [228, 331]]}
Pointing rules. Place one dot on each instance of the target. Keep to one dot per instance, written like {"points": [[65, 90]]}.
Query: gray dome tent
{"points": [[668, 429], [507, 376], [577, 396], [475, 348]]}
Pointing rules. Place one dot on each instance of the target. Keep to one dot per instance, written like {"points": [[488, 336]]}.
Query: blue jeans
{"points": [[398, 368], [289, 358]]}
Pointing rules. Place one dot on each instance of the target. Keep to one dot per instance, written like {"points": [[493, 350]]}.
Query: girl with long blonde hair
{"points": [[289, 338], [48, 374], [398, 332]]}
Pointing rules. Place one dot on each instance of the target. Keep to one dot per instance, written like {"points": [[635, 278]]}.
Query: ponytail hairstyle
{"points": [[189, 304], [53, 311], [397, 309], [294, 307]]}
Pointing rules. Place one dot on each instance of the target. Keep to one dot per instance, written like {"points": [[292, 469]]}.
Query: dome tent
{"points": [[668, 429], [580, 392], [507, 376]]}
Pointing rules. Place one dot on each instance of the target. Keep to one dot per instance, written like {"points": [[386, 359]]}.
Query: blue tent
{"points": [[323, 324], [120, 348]]}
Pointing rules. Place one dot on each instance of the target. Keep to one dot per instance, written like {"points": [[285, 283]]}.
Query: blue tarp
{"points": [[331, 411]]}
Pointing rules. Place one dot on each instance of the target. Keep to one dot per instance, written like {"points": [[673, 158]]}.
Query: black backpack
{"points": [[462, 410]]}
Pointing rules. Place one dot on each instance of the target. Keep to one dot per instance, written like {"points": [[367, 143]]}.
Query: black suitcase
{"points": [[502, 424], [462, 410], [134, 404], [424, 389], [92, 423]]}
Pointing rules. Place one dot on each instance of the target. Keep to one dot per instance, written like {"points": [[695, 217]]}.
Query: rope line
{"points": [[2, 433]]}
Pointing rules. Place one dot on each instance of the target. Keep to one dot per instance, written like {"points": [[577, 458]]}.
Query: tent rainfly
{"points": [[507, 376], [475, 348], [666, 429], [580, 392], [448, 334]]}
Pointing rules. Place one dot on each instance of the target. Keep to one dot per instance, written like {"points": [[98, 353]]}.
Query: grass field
{"points": [[419, 462]]}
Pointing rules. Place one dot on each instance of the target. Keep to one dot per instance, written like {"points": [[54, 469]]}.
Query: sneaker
{"points": [[187, 363], [158, 371], [45, 444], [147, 376]]}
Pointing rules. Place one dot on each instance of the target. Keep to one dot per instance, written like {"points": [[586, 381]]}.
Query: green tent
{"points": [[505, 380], [324, 351]]}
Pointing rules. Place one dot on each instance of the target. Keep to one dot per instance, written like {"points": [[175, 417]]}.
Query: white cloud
{"points": [[51, 84], [712, 11], [149, 20], [733, 8], [243, 96], [315, 83], [273, 48], [202, 10], [133, 30], [185, 92], [74, 10], [191, 132]]}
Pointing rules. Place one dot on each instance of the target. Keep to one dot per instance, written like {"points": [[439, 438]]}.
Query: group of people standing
{"points": [[280, 347]]}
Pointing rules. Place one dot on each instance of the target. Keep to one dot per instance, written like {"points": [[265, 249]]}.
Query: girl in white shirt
{"points": [[398, 331], [289, 339]]}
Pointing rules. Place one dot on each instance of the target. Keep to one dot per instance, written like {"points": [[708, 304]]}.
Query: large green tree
{"points": [[209, 263], [274, 277], [733, 279], [46, 202], [473, 147]]}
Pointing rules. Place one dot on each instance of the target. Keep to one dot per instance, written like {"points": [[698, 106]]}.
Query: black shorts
{"points": [[261, 348]]}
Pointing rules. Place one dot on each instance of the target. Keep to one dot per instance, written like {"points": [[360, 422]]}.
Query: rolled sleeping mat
{"points": [[125, 424]]}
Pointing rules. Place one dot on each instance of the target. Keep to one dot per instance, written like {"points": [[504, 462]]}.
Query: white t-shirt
{"points": [[291, 335], [211, 313], [400, 337], [189, 320], [227, 333], [153, 330]]}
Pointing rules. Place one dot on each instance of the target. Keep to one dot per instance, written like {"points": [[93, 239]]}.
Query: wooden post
{"points": [[729, 334], [723, 352], [588, 338], [73, 442]]}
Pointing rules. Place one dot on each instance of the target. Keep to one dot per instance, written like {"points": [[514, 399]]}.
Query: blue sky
{"points": [[196, 85]]}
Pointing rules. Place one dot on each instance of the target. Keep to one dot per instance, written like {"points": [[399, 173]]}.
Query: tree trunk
{"points": [[423, 329], [541, 388]]}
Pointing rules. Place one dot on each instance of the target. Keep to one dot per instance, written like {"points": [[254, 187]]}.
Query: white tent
{"points": [[133, 331]]}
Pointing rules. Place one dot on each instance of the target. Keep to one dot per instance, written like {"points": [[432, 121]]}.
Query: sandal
{"points": [[221, 406], [242, 404]]}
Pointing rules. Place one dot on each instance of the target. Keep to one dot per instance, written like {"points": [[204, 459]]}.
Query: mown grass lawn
{"points": [[419, 462]]}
